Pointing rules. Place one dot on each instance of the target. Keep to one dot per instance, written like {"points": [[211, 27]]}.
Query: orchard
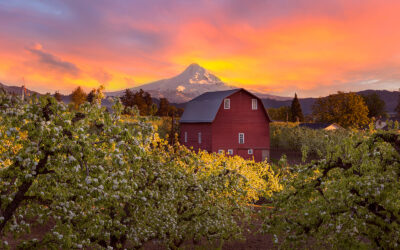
{"points": [[349, 199], [104, 182], [99, 180]]}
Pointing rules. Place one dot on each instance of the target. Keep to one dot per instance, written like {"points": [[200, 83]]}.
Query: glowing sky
{"points": [[280, 47]]}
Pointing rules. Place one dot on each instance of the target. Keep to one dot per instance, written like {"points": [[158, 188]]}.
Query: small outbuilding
{"points": [[324, 126], [234, 122]]}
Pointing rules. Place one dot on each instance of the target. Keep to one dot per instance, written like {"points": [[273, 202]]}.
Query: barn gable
{"points": [[205, 107]]}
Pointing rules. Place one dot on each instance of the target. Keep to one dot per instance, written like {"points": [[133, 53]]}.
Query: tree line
{"points": [[142, 100], [349, 110]]}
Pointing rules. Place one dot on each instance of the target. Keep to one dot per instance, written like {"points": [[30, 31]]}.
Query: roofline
{"points": [[235, 91], [248, 92]]}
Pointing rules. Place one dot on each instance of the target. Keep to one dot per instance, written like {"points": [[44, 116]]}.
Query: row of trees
{"points": [[141, 99], [144, 102], [346, 109]]}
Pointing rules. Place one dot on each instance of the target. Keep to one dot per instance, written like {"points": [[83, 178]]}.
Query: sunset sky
{"points": [[279, 47]]}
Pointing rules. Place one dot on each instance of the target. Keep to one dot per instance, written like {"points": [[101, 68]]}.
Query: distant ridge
{"points": [[389, 97], [16, 90]]}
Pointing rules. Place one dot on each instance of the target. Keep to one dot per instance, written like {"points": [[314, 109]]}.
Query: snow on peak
{"points": [[195, 74], [180, 88]]}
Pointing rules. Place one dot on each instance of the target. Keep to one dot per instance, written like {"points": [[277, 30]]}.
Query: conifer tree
{"points": [[58, 96], [163, 110], [91, 95], [296, 112]]}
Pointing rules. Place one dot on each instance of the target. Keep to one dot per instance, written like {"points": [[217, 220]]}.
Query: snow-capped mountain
{"points": [[192, 82]]}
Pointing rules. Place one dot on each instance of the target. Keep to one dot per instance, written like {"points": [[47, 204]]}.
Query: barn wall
{"points": [[192, 130], [241, 118]]}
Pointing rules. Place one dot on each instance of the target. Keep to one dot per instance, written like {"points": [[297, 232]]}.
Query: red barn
{"points": [[234, 122]]}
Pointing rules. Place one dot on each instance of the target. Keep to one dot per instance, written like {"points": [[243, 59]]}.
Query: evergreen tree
{"points": [[140, 102], [58, 96], [296, 112], [127, 99], [163, 110], [91, 95]]}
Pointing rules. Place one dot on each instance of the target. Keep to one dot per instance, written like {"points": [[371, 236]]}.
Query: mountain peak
{"points": [[192, 82], [195, 74], [193, 68]]}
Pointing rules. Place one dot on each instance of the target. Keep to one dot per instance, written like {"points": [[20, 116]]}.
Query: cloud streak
{"points": [[51, 62]]}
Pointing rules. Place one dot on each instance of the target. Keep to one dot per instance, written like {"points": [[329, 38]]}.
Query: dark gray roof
{"points": [[205, 107], [315, 125]]}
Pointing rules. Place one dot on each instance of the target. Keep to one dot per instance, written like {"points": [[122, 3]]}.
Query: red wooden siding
{"points": [[240, 118], [223, 132], [192, 130]]}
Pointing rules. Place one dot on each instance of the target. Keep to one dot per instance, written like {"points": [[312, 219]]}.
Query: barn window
{"points": [[250, 151], [241, 138], [199, 137], [253, 104], [230, 151], [185, 136], [220, 151], [227, 103]]}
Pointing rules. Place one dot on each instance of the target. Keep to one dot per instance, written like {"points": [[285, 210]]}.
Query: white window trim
{"points": [[185, 136], [199, 137], [227, 103], [220, 151], [230, 151], [250, 151], [241, 134], [254, 104]]}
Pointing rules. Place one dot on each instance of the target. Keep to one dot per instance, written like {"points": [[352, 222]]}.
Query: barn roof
{"points": [[315, 125], [205, 107]]}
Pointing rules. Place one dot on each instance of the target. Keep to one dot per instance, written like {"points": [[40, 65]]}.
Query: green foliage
{"points": [[290, 136], [78, 97], [280, 114], [348, 200], [295, 110], [105, 182], [376, 106], [346, 109]]}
